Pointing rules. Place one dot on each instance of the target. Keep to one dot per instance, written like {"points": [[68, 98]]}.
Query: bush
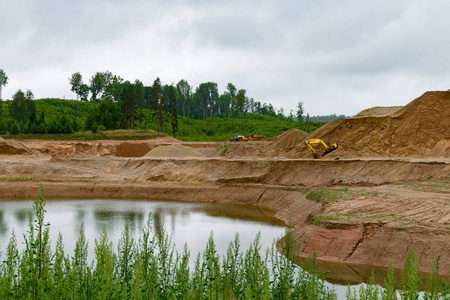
{"points": [[94, 127]]}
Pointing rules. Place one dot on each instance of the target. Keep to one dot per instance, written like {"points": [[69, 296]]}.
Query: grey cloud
{"points": [[321, 52]]}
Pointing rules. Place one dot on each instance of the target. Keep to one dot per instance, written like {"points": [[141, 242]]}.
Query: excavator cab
{"points": [[326, 148]]}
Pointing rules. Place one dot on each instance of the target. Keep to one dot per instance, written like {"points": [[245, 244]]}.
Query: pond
{"points": [[186, 222], [189, 223]]}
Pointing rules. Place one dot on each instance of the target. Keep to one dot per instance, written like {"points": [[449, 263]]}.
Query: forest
{"points": [[110, 103]]}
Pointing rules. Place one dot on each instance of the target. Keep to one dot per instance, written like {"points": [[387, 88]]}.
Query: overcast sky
{"points": [[335, 56]]}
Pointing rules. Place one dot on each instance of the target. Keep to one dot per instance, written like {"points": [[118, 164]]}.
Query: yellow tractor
{"points": [[239, 138], [326, 148]]}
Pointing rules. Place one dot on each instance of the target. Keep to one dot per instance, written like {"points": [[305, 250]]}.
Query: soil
{"points": [[249, 150], [289, 139], [11, 147], [378, 111], [387, 187], [174, 151]]}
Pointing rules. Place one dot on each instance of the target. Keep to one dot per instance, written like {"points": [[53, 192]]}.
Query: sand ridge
{"points": [[13, 147], [174, 151]]}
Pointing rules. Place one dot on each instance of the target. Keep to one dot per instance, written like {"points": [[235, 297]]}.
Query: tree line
{"points": [[120, 104], [203, 102]]}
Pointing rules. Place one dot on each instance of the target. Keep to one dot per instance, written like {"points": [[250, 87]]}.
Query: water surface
{"points": [[189, 223]]}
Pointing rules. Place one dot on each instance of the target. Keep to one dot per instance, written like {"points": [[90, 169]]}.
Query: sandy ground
{"points": [[384, 206]]}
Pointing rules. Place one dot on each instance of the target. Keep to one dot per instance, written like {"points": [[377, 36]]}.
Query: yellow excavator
{"points": [[326, 148]]}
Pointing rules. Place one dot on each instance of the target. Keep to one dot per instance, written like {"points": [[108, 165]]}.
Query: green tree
{"points": [[127, 105], [173, 109], [157, 103], [76, 81], [109, 114], [3, 81], [84, 92], [223, 105], [206, 96], [139, 93], [107, 82], [184, 93], [97, 85], [231, 92], [112, 86], [22, 107], [240, 103], [300, 111]]}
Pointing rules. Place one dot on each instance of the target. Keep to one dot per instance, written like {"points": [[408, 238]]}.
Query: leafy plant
{"points": [[325, 195], [225, 147]]}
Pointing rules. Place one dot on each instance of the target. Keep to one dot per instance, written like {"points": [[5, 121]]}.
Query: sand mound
{"points": [[128, 149], [289, 139], [418, 129], [166, 139], [378, 111], [242, 149], [11, 147], [174, 151]]}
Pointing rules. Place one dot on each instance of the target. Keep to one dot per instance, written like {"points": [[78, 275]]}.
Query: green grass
{"points": [[429, 186], [15, 178], [224, 148], [87, 135], [325, 195], [369, 193]]}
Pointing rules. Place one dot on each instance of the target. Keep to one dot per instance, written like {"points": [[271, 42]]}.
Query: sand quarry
{"points": [[391, 175]]}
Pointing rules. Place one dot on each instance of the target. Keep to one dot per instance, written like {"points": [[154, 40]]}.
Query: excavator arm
{"points": [[326, 149]]}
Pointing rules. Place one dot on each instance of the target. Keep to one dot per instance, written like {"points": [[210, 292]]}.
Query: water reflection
{"points": [[23, 215], [189, 223], [3, 227], [344, 274]]}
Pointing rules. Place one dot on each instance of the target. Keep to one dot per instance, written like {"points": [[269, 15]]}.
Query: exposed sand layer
{"points": [[174, 151], [12, 147], [289, 139], [378, 111], [249, 150]]}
